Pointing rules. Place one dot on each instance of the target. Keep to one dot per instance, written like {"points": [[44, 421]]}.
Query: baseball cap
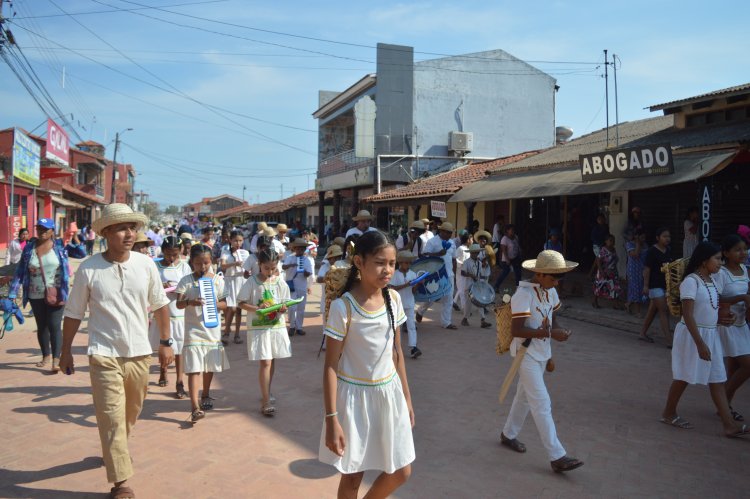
{"points": [[46, 223]]}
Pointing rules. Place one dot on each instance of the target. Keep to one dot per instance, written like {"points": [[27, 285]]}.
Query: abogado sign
{"points": [[630, 162]]}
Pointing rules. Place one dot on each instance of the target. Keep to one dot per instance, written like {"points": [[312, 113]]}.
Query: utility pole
{"points": [[617, 114], [606, 92], [114, 165]]}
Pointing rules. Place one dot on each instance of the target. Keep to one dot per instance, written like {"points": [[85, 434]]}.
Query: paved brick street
{"points": [[607, 394]]}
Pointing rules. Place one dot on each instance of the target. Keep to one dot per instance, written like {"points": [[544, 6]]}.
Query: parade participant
{"points": [[250, 265], [187, 243], [207, 236], [282, 231], [221, 247], [16, 246], [298, 268], [333, 255], [655, 286], [117, 286], [401, 282], [368, 411], [204, 354], [142, 243], [690, 226], [43, 276], [735, 337], [231, 263], [443, 247], [697, 354], [363, 219], [510, 256], [474, 269], [482, 238], [429, 229], [171, 270], [267, 338], [416, 241], [339, 241], [533, 327], [636, 249], [607, 279], [262, 226], [462, 282], [498, 230]]}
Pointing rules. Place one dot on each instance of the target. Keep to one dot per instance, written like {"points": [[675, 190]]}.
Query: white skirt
{"points": [[267, 344], [204, 358], [232, 286], [176, 329], [735, 340], [377, 429], [688, 366]]}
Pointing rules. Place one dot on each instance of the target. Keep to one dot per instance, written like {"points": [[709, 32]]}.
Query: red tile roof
{"points": [[301, 200], [447, 183], [233, 211]]}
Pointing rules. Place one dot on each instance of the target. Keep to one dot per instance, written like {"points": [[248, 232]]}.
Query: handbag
{"points": [[51, 294]]}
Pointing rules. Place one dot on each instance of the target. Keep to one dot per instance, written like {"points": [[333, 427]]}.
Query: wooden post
{"points": [[321, 215], [336, 213], [565, 225]]}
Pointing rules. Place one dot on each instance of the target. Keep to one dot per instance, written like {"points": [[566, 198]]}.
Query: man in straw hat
{"points": [[534, 326], [363, 221], [443, 247], [298, 268], [118, 287]]}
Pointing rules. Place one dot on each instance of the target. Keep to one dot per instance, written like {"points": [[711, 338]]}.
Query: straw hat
{"points": [[262, 226], [339, 241], [549, 262], [299, 242], [426, 221], [333, 251], [475, 248], [362, 215], [282, 228], [141, 238], [482, 233], [417, 224], [117, 213], [186, 236], [267, 232], [405, 256], [446, 226]]}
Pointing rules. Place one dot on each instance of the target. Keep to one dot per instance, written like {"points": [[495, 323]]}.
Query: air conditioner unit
{"points": [[461, 141]]}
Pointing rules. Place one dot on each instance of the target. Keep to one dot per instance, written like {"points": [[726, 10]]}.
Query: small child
{"points": [[368, 412], [697, 355], [401, 282], [267, 338], [462, 254], [298, 268], [534, 326], [231, 264], [333, 255], [203, 351], [142, 243], [474, 269], [636, 250]]}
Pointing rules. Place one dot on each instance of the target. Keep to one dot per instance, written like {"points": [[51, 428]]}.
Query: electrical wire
{"points": [[44, 16]]}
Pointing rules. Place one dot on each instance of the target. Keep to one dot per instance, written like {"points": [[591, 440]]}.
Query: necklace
{"points": [[708, 290]]}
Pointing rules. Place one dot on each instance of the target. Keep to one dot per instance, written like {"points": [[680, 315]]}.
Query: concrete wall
{"points": [[394, 99], [508, 112]]}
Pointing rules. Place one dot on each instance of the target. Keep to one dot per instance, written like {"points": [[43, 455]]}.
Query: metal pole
{"points": [[617, 114], [114, 168], [606, 92], [378, 182]]}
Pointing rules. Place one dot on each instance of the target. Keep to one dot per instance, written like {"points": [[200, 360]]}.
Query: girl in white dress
{"points": [[230, 263], [172, 269], [203, 351], [735, 337], [696, 353], [267, 337], [368, 411]]}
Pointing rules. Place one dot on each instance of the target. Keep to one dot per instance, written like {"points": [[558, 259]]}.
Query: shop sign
{"points": [[438, 209], [706, 215], [15, 226], [26, 158], [58, 144], [629, 162]]}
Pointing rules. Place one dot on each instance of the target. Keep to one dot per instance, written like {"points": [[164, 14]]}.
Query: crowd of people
{"points": [[165, 290]]}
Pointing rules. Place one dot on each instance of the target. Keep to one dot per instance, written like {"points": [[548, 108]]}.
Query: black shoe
{"points": [[565, 463], [415, 352], [291, 332], [456, 307], [300, 332], [418, 317]]}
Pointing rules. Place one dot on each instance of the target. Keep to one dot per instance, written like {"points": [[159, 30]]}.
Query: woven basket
{"points": [[503, 318], [673, 273], [335, 281]]}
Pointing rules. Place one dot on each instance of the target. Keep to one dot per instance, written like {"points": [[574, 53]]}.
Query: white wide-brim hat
{"points": [[118, 213], [362, 215], [549, 262]]}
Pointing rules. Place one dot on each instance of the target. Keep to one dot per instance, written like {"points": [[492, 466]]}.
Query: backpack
{"points": [[673, 273]]}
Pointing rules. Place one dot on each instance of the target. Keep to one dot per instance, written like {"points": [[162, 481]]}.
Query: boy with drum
{"points": [[444, 248], [475, 270]]}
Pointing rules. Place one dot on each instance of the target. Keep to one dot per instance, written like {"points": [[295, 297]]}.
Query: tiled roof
{"points": [[233, 211], [738, 89], [79, 193], [301, 200], [446, 183]]}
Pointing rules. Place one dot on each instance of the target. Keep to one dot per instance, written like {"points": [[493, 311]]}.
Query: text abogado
{"points": [[630, 162]]}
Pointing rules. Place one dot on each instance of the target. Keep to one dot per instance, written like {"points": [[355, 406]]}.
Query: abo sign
{"points": [[630, 162]]}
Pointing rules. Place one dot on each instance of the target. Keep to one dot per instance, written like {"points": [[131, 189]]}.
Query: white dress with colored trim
{"points": [[267, 337], [172, 274], [735, 339], [234, 277], [203, 351], [370, 400]]}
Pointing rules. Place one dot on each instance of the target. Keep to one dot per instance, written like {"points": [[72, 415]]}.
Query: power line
{"points": [[44, 16]]}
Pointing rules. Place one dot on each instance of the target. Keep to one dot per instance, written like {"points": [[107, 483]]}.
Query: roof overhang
{"points": [[361, 86]]}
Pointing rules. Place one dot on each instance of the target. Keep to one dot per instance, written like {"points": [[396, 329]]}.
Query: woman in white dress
{"points": [[203, 351], [231, 263], [172, 269], [368, 411], [696, 352], [735, 337]]}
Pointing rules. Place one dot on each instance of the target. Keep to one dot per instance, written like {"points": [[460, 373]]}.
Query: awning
{"points": [[66, 202], [566, 181]]}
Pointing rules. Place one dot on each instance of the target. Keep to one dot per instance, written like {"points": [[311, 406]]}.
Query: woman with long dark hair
{"points": [[655, 286]]}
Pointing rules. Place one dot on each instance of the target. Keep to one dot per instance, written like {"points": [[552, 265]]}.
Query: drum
{"points": [[437, 284], [482, 294]]}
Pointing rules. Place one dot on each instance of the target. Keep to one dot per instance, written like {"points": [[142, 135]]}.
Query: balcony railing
{"points": [[342, 162]]}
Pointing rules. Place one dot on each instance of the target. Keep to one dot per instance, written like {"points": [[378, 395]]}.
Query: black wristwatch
{"points": [[167, 343]]}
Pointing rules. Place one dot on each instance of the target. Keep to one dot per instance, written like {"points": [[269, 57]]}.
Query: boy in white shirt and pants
{"points": [[298, 268], [401, 282]]}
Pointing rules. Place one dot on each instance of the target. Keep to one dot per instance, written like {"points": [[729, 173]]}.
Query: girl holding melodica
{"points": [[267, 337], [368, 412], [697, 354], [230, 262], [735, 337], [203, 351]]}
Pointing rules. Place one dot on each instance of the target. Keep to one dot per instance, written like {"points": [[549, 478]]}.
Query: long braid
{"points": [[353, 275], [389, 308]]}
